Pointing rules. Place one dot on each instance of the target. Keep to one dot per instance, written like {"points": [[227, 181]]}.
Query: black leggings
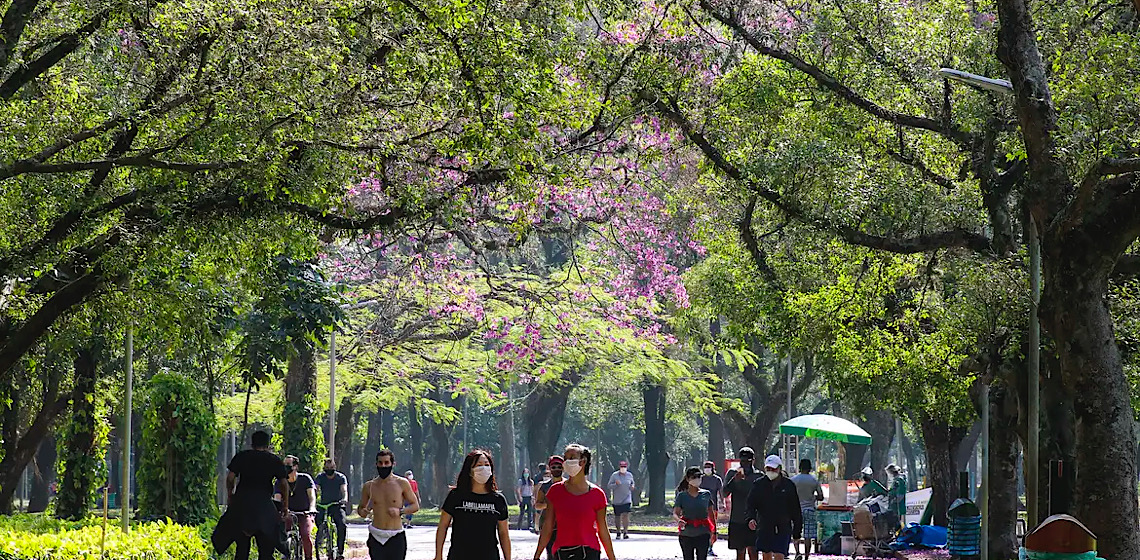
{"points": [[337, 514], [695, 548]]}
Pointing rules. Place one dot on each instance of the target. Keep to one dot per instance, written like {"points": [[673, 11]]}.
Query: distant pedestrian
{"points": [[870, 487], [476, 512], [554, 476], [737, 485], [774, 511], [694, 508], [524, 494], [415, 490], [809, 492], [621, 488], [714, 484], [578, 508], [896, 494]]}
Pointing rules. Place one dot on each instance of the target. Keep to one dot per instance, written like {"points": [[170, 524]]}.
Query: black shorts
{"points": [[740, 536], [395, 549], [622, 508]]}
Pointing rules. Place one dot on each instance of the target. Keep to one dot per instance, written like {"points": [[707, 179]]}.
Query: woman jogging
{"points": [[578, 508], [694, 508], [476, 513], [774, 511]]}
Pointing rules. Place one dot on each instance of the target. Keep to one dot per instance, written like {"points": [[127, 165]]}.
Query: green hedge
{"points": [[35, 537]]}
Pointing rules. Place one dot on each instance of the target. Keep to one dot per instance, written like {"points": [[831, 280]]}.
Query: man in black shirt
{"points": [[334, 490], [302, 496], [249, 493]]}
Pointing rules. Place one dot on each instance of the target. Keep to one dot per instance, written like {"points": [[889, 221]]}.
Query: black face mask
{"points": [[384, 472], [330, 472]]}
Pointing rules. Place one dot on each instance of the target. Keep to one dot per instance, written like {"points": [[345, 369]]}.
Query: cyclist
{"points": [[302, 497], [334, 500]]}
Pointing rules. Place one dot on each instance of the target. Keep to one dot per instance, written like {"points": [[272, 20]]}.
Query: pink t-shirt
{"points": [[576, 516]]}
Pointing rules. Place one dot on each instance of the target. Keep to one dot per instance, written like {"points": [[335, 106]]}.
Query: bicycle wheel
{"points": [[330, 537]]}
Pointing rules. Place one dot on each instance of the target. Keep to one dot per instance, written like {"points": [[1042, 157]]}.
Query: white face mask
{"points": [[772, 475], [481, 474], [695, 481], [623, 470], [708, 471], [571, 467]]}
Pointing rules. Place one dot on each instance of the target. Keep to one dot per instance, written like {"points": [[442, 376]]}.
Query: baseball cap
{"points": [[773, 462], [746, 451], [623, 463], [555, 460], [867, 471]]}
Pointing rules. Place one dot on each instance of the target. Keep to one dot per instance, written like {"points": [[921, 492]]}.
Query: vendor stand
{"points": [[826, 427]]}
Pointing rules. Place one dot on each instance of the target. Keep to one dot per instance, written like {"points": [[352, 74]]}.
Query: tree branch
{"points": [[12, 27], [66, 44], [947, 239], [829, 82], [752, 244]]}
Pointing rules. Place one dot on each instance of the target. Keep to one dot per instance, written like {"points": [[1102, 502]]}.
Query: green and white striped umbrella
{"points": [[826, 426]]}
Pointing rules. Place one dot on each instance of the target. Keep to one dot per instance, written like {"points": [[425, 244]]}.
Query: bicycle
{"points": [[293, 536], [328, 529]]}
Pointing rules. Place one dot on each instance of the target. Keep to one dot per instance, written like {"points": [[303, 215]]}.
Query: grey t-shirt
{"points": [[694, 507], [622, 487], [809, 490], [713, 484]]}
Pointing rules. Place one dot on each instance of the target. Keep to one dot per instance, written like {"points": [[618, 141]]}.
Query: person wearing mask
{"points": [[524, 493], [555, 472], [334, 494], [415, 490], [897, 492], [621, 487], [694, 508], [578, 508], [249, 492], [381, 498], [809, 491], [774, 511], [541, 474], [714, 484], [870, 487], [737, 484], [476, 513], [302, 501]]}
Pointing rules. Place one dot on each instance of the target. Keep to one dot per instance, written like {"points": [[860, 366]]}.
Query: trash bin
{"points": [[964, 536]]}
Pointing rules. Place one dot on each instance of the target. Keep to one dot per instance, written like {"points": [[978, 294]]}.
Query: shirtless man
{"points": [[384, 497]]}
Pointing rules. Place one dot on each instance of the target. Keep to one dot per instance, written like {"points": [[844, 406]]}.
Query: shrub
{"points": [[178, 452], [26, 537]]}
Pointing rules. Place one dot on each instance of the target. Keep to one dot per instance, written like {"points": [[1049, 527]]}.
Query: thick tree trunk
{"points": [[715, 448], [1003, 495], [942, 443], [881, 425], [1076, 314], [911, 463], [78, 482], [443, 469], [636, 454], [656, 459], [507, 463], [345, 429], [43, 473], [545, 409]]}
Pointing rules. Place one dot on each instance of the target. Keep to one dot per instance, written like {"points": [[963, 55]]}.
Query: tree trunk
{"points": [[1077, 316], [911, 464], [656, 459], [635, 462], [43, 473], [545, 409], [416, 435], [345, 429], [443, 469], [77, 484], [507, 462], [302, 432], [942, 443], [881, 425], [715, 449], [1003, 495]]}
